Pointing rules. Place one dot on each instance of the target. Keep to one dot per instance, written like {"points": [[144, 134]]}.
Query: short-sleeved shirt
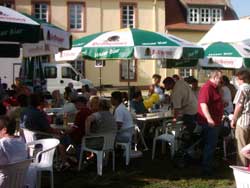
{"points": [[34, 119], [210, 95], [242, 97], [183, 98], [123, 115], [80, 119], [104, 123], [12, 150]]}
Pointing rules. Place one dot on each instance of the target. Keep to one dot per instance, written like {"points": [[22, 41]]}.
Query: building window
{"points": [[124, 70], [8, 3], [76, 16], [204, 15], [50, 72], [68, 72], [128, 15], [193, 15], [41, 11], [185, 72], [216, 15]]}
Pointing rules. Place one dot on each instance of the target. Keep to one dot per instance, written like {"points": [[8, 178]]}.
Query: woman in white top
{"points": [[12, 149], [123, 118]]}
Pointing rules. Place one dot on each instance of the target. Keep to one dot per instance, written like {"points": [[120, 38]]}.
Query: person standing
{"points": [[241, 117], [183, 100], [209, 116]]}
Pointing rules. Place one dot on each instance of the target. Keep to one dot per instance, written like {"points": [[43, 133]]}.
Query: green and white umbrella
{"points": [[226, 55], [130, 44], [16, 27]]}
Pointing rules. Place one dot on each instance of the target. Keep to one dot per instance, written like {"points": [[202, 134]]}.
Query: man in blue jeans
{"points": [[210, 112]]}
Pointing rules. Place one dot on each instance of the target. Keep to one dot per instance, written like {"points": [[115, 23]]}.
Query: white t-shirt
{"points": [[123, 115]]}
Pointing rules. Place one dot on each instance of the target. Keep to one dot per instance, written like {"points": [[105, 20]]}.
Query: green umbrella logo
{"points": [[114, 38]]}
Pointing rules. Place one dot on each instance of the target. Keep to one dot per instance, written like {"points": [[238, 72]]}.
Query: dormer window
{"points": [[204, 15]]}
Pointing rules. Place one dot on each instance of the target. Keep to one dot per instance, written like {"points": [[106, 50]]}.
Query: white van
{"points": [[59, 75]]}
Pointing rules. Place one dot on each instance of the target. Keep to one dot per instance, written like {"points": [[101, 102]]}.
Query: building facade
{"points": [[191, 19], [188, 19]]}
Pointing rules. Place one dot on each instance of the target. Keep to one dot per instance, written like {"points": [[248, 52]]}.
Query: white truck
{"points": [[59, 75], [56, 76], [9, 70]]}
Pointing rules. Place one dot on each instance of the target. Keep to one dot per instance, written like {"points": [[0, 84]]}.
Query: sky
{"points": [[242, 7]]}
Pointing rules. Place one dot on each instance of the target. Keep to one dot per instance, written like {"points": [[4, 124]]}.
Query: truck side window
{"points": [[50, 72], [67, 72]]}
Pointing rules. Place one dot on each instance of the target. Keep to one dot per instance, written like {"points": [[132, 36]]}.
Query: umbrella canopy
{"points": [[54, 39], [16, 27], [228, 31], [130, 43], [226, 55]]}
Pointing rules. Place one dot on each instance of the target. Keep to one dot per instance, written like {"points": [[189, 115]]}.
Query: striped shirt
{"points": [[242, 97]]}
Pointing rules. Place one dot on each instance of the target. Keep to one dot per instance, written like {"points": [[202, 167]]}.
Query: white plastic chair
{"points": [[108, 145], [44, 158], [242, 176], [14, 174], [167, 133], [127, 145], [29, 135]]}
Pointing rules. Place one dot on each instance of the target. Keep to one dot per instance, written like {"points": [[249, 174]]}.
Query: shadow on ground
{"points": [[144, 173]]}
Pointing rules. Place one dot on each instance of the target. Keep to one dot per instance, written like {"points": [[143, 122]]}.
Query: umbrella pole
{"points": [[129, 85], [100, 79]]}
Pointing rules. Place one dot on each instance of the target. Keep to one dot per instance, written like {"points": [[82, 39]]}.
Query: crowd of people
{"points": [[92, 115]]}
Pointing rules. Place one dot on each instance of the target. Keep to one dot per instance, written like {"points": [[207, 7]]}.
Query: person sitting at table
{"points": [[77, 131], [123, 118], [57, 100], [137, 103], [12, 148], [34, 118], [74, 133], [184, 102], [156, 88], [100, 122]]}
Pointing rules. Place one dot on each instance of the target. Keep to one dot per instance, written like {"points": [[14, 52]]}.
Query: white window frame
{"points": [[124, 70], [205, 15], [76, 15], [216, 15], [128, 16], [185, 72], [193, 13], [40, 14]]}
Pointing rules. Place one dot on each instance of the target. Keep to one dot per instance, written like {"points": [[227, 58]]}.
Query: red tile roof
{"points": [[205, 2], [176, 14]]}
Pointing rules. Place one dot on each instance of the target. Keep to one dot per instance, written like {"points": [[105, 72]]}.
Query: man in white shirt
{"points": [[183, 100], [123, 118]]}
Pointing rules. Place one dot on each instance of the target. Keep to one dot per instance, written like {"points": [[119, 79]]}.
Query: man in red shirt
{"points": [[78, 129], [210, 112]]}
